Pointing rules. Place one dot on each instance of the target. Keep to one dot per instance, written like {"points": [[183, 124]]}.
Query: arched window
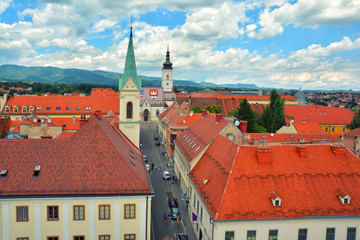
{"points": [[157, 112], [129, 110]]}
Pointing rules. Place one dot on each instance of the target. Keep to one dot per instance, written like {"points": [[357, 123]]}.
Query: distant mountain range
{"points": [[73, 75]]}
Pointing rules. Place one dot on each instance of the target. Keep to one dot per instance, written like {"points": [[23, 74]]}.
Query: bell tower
{"points": [[167, 74], [130, 87]]}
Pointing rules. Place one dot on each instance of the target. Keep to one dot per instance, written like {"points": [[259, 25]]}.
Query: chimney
{"points": [[291, 121], [204, 113], [243, 126], [191, 113], [98, 114], [339, 150], [264, 155], [302, 151], [82, 120], [218, 118]]}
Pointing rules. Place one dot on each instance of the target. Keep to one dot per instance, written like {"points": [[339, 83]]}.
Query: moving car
{"points": [[166, 175], [157, 143], [182, 236], [172, 202], [175, 214], [145, 158], [156, 138]]}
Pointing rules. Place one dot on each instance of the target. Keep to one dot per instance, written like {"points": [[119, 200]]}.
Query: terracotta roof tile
{"points": [[308, 127], [307, 186], [293, 137], [353, 133], [96, 160]]}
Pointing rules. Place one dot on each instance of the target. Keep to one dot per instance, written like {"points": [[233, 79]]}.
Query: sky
{"points": [[307, 44]]}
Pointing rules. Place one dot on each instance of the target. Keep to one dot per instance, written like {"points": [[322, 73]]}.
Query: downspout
{"points": [[212, 231], [147, 209]]}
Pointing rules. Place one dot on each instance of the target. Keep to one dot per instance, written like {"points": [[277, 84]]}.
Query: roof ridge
{"points": [[227, 184]]}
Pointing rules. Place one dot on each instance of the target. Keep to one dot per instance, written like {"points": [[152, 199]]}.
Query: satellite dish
{"points": [[42, 120], [49, 120], [34, 120], [237, 123]]}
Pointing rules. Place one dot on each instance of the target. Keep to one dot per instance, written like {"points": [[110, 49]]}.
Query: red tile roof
{"points": [[294, 137], [67, 105], [195, 138], [98, 159], [103, 92], [353, 133], [308, 127], [321, 114], [239, 187]]}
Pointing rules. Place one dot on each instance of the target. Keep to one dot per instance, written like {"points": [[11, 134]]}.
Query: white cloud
{"points": [[4, 4], [102, 25]]}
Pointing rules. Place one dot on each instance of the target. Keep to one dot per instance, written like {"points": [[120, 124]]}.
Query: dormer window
{"points": [[31, 109], [38, 108], [344, 197], [37, 170], [24, 108], [7, 109], [275, 199], [16, 109]]}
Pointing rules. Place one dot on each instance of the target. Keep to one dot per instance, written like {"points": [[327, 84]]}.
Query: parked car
{"points": [[166, 175], [182, 236], [157, 143], [145, 158], [175, 214], [156, 138], [172, 202], [147, 167]]}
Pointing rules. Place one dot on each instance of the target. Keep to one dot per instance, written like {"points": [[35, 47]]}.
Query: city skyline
{"points": [[278, 43]]}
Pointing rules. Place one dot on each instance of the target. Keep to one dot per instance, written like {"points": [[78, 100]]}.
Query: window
{"points": [[273, 234], [229, 235], [31, 109], [79, 238], [79, 212], [22, 214], [351, 234], [251, 235], [88, 108], [129, 211], [344, 129], [68, 108], [330, 234], [15, 109], [326, 129], [157, 112], [74, 120], [58, 108], [78, 108], [302, 234], [24, 109], [7, 109], [201, 214], [38, 108], [52, 238], [22, 238], [48, 108], [129, 110], [104, 237], [104, 212], [129, 236], [346, 200], [53, 213]]}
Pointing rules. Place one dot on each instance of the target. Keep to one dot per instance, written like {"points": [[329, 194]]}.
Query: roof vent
{"points": [[204, 113], [218, 118], [275, 199], [339, 150], [344, 197], [37, 170], [302, 151], [205, 179], [3, 173], [264, 155], [98, 114]]}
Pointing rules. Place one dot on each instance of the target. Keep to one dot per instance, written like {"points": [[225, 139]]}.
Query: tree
{"points": [[196, 109], [355, 123], [273, 116], [245, 113], [213, 108]]}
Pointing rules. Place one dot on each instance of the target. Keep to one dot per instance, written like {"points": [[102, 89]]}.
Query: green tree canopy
{"points": [[355, 123], [196, 109], [273, 117], [245, 113], [213, 108]]}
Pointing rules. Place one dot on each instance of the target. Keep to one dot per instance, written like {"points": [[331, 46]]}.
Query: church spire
{"points": [[167, 64], [130, 65]]}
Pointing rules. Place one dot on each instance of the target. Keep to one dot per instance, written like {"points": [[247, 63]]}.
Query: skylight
{"points": [[184, 135], [68, 108], [3, 173], [197, 148], [37, 170], [78, 108], [88, 108], [191, 142], [193, 145], [291, 136], [58, 108]]}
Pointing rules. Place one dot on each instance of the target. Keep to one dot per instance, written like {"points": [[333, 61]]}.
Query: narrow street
{"points": [[163, 189]]}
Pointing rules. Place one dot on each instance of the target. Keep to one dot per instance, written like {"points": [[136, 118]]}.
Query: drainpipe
{"points": [[147, 210], [212, 231]]}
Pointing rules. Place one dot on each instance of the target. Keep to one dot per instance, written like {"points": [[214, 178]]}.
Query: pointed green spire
{"points": [[130, 66]]}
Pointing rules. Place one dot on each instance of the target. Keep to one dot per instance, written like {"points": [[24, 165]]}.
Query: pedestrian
{"points": [[152, 166], [173, 178]]}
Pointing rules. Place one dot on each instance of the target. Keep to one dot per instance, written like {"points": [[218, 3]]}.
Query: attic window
{"points": [[187, 138], [24, 109], [131, 150], [48, 108], [88, 108], [3, 173], [291, 136], [37, 170], [7, 109], [132, 156], [133, 163], [15, 109], [344, 198], [58, 108], [68, 108], [275, 199], [38, 108], [31, 109], [78, 108]]}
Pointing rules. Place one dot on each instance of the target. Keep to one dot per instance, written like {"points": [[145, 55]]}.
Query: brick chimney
{"points": [[339, 150], [264, 155], [98, 114], [302, 151], [218, 118], [204, 113], [243, 126]]}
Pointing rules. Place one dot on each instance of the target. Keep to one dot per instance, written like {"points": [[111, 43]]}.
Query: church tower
{"points": [[130, 87], [167, 74]]}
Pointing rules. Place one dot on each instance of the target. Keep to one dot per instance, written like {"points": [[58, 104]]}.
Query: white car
{"points": [[145, 158], [166, 175]]}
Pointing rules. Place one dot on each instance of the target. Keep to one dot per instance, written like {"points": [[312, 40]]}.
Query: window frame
{"points": [[129, 110], [104, 236], [302, 231], [17, 214], [351, 235], [79, 206], [330, 235], [251, 237], [272, 235], [130, 235], [79, 236], [104, 205], [125, 211], [52, 238], [231, 233], [48, 213]]}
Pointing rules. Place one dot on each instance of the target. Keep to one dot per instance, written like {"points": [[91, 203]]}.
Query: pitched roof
{"points": [[195, 138], [320, 114], [308, 127], [63, 105], [294, 137], [239, 187], [98, 159], [353, 133]]}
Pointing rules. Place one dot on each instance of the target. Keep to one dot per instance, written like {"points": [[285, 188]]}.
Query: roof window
{"points": [[132, 156], [344, 197], [291, 136], [58, 108], [193, 145], [187, 138], [191, 142], [38, 108], [184, 135], [37, 170], [88, 108], [197, 148], [48, 108], [3, 173], [68, 108], [275, 199], [78, 108]]}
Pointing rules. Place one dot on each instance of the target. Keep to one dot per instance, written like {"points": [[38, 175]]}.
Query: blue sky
{"points": [[269, 43]]}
